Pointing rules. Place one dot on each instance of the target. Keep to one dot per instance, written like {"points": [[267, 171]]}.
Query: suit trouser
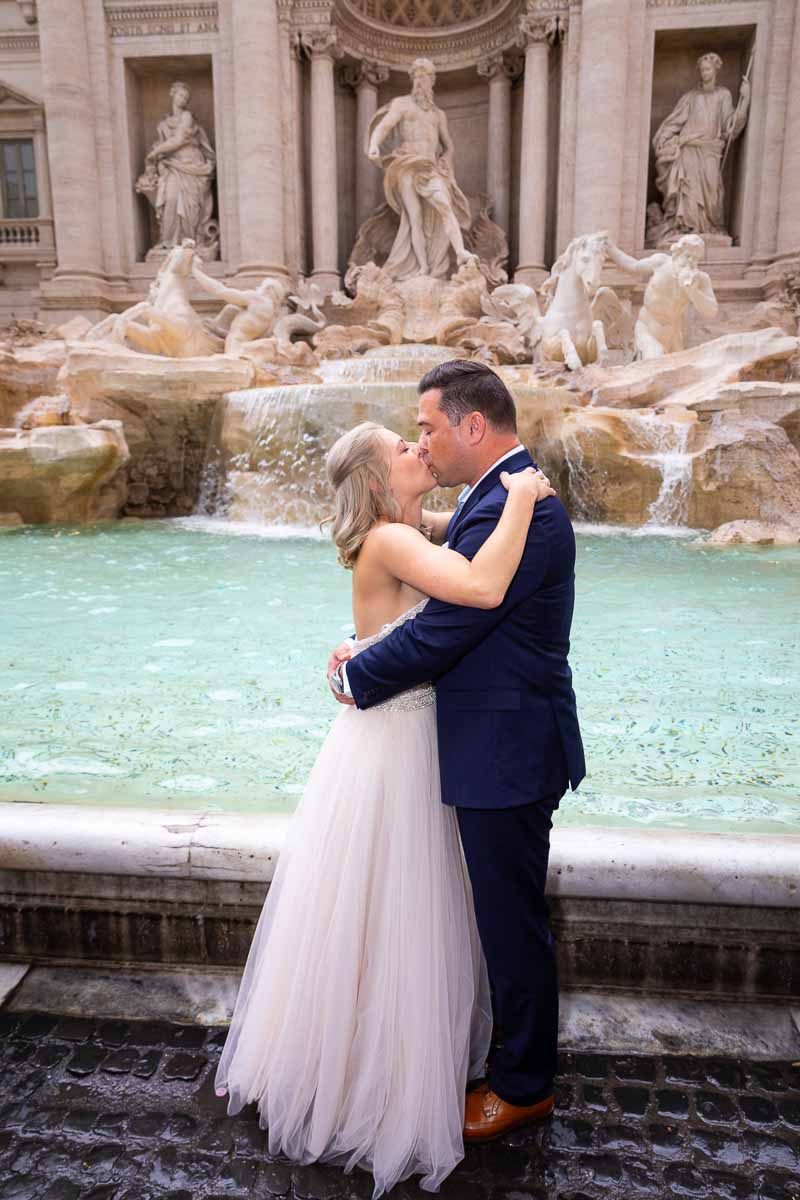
{"points": [[507, 850]]}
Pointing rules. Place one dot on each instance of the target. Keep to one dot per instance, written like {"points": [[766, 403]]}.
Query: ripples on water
{"points": [[181, 664]]}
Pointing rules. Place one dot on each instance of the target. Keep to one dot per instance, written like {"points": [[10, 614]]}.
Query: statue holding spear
{"points": [[691, 146]]}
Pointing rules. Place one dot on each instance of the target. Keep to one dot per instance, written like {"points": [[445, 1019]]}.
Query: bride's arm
{"points": [[447, 575], [437, 522]]}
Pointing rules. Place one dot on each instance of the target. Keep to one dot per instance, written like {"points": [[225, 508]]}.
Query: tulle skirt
{"points": [[364, 1005]]}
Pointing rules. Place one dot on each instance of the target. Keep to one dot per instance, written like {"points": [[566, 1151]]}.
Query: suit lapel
{"points": [[517, 462]]}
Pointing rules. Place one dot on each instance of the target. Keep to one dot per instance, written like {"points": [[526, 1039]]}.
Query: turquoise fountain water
{"points": [[181, 664]]}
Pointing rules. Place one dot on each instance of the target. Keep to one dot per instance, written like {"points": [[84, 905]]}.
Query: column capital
{"points": [[363, 74], [498, 65], [320, 41], [535, 30]]}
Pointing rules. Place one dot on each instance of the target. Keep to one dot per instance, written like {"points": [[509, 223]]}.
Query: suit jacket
{"points": [[507, 721]]}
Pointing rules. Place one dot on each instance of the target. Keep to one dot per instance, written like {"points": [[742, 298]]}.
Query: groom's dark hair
{"points": [[468, 386]]}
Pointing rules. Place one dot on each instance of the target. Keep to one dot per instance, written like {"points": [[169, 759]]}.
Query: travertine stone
{"points": [[321, 45], [259, 148], [690, 145], [63, 473], [366, 79], [71, 141], [754, 533], [27, 372], [692, 375], [789, 220], [498, 151], [536, 34], [165, 405], [601, 123]]}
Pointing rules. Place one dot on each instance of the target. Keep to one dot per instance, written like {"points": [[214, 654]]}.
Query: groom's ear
{"points": [[475, 427]]}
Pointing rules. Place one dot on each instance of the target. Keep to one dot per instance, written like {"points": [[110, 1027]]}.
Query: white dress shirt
{"points": [[462, 499]]}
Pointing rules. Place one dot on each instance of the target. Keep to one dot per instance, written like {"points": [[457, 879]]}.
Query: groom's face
{"points": [[442, 445]]}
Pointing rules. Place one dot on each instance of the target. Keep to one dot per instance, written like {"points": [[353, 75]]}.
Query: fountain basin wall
{"points": [[710, 914]]}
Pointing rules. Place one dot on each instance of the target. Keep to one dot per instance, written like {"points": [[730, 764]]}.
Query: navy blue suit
{"points": [[509, 744]]}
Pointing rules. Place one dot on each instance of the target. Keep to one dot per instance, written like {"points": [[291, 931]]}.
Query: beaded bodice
{"points": [[420, 696]]}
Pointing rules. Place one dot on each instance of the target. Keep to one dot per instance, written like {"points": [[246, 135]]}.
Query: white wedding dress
{"points": [[364, 1005]]}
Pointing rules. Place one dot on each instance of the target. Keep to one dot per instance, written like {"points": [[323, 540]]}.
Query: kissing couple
{"points": [[407, 915]]}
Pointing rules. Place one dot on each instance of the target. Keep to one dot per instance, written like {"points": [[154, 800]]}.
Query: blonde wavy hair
{"points": [[358, 467]]}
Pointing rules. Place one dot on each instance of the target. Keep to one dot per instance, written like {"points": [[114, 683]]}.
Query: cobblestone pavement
{"points": [[113, 1110]]}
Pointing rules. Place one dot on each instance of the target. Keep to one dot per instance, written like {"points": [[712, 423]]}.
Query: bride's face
{"points": [[409, 476]]}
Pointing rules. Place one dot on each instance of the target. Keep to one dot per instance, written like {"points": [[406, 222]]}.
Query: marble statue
{"points": [[690, 147], [165, 323], [674, 281], [177, 178], [410, 140], [572, 330], [249, 313], [256, 323]]}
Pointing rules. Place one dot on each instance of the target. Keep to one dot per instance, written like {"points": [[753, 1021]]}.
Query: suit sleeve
{"points": [[432, 643]]}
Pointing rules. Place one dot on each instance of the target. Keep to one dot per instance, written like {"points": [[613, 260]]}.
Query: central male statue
{"points": [[419, 180]]}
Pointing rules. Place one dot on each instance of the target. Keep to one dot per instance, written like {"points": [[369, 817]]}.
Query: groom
{"points": [[509, 741]]}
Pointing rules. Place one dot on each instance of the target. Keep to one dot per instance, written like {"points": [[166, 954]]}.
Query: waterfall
{"points": [[266, 457], [670, 439]]}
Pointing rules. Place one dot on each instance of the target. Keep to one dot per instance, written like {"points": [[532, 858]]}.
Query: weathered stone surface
{"points": [[754, 533], [743, 469], [690, 375], [610, 471], [165, 406], [27, 372], [65, 473]]}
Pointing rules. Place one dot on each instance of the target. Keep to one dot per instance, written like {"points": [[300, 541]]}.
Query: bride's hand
{"points": [[339, 655], [530, 482]]}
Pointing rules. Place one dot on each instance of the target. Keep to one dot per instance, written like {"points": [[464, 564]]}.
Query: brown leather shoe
{"points": [[488, 1117]]}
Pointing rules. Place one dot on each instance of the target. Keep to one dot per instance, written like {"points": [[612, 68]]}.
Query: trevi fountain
{"points": [[168, 597]]}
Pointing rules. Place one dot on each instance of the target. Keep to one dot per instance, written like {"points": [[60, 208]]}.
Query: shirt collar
{"points": [[470, 488]]}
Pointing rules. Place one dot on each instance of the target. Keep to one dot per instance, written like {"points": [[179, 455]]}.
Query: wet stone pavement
{"points": [[113, 1110]]}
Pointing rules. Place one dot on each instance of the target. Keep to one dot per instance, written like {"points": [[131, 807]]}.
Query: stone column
{"points": [[321, 45], [365, 80], [536, 36], [498, 153], [259, 145], [602, 130], [789, 219], [72, 150]]}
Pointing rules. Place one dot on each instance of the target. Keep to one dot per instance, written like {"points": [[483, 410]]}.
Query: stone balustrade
{"points": [[26, 237]]}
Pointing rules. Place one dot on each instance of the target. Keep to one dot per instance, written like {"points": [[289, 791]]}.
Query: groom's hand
{"points": [[341, 654]]}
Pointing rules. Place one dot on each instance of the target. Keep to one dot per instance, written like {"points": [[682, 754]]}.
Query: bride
{"points": [[364, 1005]]}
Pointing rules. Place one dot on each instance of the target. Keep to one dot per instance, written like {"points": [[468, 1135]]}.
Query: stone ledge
{"points": [[655, 914], [761, 870]]}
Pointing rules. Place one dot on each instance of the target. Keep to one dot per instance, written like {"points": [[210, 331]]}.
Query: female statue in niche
{"points": [[177, 179], [690, 147]]}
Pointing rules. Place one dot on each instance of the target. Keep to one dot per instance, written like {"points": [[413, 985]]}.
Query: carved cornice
{"points": [[11, 40], [152, 20], [449, 48]]}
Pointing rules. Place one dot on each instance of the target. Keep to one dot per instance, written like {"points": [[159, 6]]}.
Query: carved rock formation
{"points": [[69, 473]]}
